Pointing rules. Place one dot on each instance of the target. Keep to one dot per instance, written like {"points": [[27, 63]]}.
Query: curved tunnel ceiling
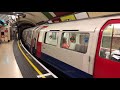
{"points": [[51, 17], [37, 17], [30, 19]]}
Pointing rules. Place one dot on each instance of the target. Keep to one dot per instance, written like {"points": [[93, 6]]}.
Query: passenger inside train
{"points": [[65, 44]]}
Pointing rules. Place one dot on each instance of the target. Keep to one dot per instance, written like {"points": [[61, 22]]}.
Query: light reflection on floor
{"points": [[8, 64]]}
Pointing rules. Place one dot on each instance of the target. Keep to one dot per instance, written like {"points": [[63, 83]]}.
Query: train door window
{"points": [[51, 38], [106, 42], [110, 46]]}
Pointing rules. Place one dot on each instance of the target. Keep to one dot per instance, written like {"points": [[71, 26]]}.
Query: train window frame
{"points": [[78, 38], [46, 38], [108, 54]]}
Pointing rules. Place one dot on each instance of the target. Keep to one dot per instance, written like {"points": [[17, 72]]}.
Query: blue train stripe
{"points": [[65, 68]]}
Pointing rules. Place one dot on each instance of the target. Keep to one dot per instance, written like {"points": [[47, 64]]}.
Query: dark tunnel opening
{"points": [[21, 26]]}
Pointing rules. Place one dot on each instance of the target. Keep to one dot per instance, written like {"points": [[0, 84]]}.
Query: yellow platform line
{"points": [[36, 69]]}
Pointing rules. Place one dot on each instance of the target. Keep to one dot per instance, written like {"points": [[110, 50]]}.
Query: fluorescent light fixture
{"points": [[17, 14]]}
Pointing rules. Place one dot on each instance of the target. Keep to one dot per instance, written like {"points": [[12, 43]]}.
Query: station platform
{"points": [[17, 62]]}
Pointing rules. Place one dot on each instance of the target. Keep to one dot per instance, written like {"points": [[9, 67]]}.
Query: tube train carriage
{"points": [[80, 49]]}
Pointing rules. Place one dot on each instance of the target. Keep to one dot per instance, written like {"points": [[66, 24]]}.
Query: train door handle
{"points": [[89, 64], [89, 59]]}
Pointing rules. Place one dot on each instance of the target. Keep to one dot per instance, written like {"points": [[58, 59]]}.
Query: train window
{"points": [[53, 35], [110, 46], [75, 41], [83, 40], [51, 38], [72, 37]]}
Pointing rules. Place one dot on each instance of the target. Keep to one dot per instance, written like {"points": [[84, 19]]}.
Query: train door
{"points": [[30, 38], [27, 39], [36, 39], [32, 41], [107, 60], [39, 37], [39, 43], [26, 36]]}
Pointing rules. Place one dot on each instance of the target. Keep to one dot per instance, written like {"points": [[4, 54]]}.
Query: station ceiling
{"points": [[38, 17]]}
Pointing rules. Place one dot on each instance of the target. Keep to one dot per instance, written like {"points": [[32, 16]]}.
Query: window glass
{"points": [[75, 41], [73, 37], [110, 46], [51, 38], [54, 35], [83, 40]]}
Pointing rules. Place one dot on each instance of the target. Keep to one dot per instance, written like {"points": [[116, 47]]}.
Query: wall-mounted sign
{"points": [[6, 30], [68, 18]]}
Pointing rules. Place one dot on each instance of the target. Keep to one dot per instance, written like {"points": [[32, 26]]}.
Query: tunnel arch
{"points": [[22, 25]]}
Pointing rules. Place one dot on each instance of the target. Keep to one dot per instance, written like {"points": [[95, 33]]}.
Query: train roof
{"points": [[81, 25]]}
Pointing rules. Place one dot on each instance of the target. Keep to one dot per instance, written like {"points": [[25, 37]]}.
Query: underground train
{"points": [[87, 48]]}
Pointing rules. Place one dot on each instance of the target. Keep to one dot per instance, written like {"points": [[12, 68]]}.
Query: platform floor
{"points": [[8, 64]]}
